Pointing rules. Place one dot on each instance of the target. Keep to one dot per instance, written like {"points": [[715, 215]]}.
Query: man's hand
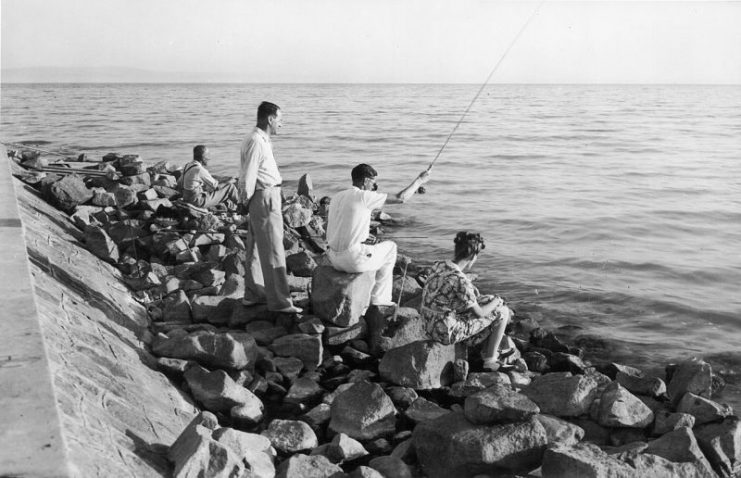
{"points": [[424, 176]]}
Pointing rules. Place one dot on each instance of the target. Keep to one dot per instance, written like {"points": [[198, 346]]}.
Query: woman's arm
{"points": [[487, 309]]}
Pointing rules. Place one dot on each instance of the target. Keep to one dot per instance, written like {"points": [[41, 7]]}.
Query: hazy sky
{"points": [[381, 40]]}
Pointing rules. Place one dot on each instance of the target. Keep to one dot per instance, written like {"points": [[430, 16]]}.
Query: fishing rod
{"points": [[488, 78]]}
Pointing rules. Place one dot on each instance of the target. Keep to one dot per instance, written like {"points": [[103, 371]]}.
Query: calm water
{"points": [[610, 211]]}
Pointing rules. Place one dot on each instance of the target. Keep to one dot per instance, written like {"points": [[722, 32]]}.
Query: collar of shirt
{"points": [[260, 132], [453, 265]]}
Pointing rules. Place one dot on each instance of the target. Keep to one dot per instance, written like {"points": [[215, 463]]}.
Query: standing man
{"points": [[348, 225], [200, 189], [259, 186]]}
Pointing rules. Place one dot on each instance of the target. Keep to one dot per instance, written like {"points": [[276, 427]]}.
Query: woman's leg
{"points": [[491, 350]]}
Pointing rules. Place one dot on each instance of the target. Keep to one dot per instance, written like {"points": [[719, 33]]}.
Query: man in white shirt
{"points": [[259, 186], [348, 224], [200, 189]]}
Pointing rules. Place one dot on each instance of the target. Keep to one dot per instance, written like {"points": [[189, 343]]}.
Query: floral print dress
{"points": [[448, 295]]}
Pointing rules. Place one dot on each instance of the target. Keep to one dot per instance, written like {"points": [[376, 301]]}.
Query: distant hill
{"points": [[51, 74]]}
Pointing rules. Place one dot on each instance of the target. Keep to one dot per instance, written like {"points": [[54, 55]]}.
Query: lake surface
{"points": [[608, 211]]}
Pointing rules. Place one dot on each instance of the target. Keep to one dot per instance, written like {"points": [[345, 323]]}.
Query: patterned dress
{"points": [[448, 295]]}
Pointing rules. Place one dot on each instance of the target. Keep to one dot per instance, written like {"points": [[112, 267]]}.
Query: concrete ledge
{"points": [[31, 442]]}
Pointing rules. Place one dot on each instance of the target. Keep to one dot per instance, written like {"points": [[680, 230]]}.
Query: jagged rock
{"points": [[317, 416], [172, 366], [300, 264], [147, 195], [144, 179], [536, 361], [563, 394], [83, 216], [679, 445], [176, 308], [560, 431], [235, 350], [341, 335], [694, 376], [407, 288], [476, 382], [391, 467], [297, 214], [103, 198], [421, 365], [305, 186], [216, 253], [721, 444], [402, 397], [565, 362], [291, 436], [255, 450], [703, 409], [342, 448], [100, 244], [303, 390], [499, 404], [640, 385], [306, 347], [453, 446], [311, 326], [303, 466], [289, 367], [404, 326], [125, 196], [195, 453], [365, 472], [584, 460], [618, 407], [657, 467], [338, 297], [666, 421], [363, 412], [422, 410], [204, 305], [218, 392], [68, 192]]}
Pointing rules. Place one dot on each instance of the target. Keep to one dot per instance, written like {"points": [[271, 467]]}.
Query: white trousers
{"points": [[380, 257]]}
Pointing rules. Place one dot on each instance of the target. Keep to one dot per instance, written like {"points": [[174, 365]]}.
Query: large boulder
{"points": [[340, 297], [422, 365], [563, 394], [254, 450], [233, 350], [703, 409], [342, 448], [196, 453], [304, 466], [452, 446], [694, 376], [617, 407], [499, 404], [584, 460], [300, 264], [721, 443], [218, 392], [423, 410], [363, 412], [291, 436], [99, 243], [306, 347], [68, 192], [636, 382], [679, 446], [559, 431], [388, 332]]}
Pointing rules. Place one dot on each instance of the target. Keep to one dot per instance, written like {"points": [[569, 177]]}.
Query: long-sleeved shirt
{"points": [[258, 169]]}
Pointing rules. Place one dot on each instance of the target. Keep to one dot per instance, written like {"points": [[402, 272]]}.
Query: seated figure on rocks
{"points": [[454, 310], [348, 225], [200, 189]]}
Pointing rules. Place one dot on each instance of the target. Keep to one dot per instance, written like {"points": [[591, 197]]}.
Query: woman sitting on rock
{"points": [[455, 311]]}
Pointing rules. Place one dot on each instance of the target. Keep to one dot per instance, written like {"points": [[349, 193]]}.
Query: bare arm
{"points": [[409, 191], [486, 309]]}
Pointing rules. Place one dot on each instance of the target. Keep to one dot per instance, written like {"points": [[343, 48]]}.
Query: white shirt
{"points": [[349, 217], [195, 176], [258, 169]]}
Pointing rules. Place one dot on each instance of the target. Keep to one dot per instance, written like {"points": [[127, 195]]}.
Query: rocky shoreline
{"points": [[339, 392]]}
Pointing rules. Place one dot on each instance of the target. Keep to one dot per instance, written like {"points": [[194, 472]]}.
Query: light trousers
{"points": [[265, 278], [380, 257]]}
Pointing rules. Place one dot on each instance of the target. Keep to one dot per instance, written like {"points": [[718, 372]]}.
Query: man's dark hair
{"points": [[468, 244], [362, 171], [266, 110], [198, 152]]}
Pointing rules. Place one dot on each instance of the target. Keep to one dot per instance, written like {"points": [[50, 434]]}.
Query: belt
{"points": [[269, 187]]}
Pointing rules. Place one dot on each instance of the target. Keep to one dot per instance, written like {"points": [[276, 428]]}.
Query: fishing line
{"points": [[496, 67]]}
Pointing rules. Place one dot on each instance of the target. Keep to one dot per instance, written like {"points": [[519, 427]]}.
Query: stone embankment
{"points": [[159, 370]]}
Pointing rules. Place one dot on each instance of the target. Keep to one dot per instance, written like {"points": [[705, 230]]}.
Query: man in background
{"points": [[260, 190], [199, 188], [348, 225]]}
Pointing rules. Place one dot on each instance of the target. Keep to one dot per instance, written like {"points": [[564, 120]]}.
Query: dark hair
{"points": [[362, 171], [198, 152], [266, 110], [468, 244]]}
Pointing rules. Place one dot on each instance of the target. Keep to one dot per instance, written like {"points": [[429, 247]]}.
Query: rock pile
{"points": [[348, 390]]}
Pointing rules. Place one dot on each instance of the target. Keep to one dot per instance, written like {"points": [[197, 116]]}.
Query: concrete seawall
{"points": [[80, 395]]}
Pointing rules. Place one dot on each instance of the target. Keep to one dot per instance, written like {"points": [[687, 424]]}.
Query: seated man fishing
{"points": [[348, 225], [200, 189]]}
